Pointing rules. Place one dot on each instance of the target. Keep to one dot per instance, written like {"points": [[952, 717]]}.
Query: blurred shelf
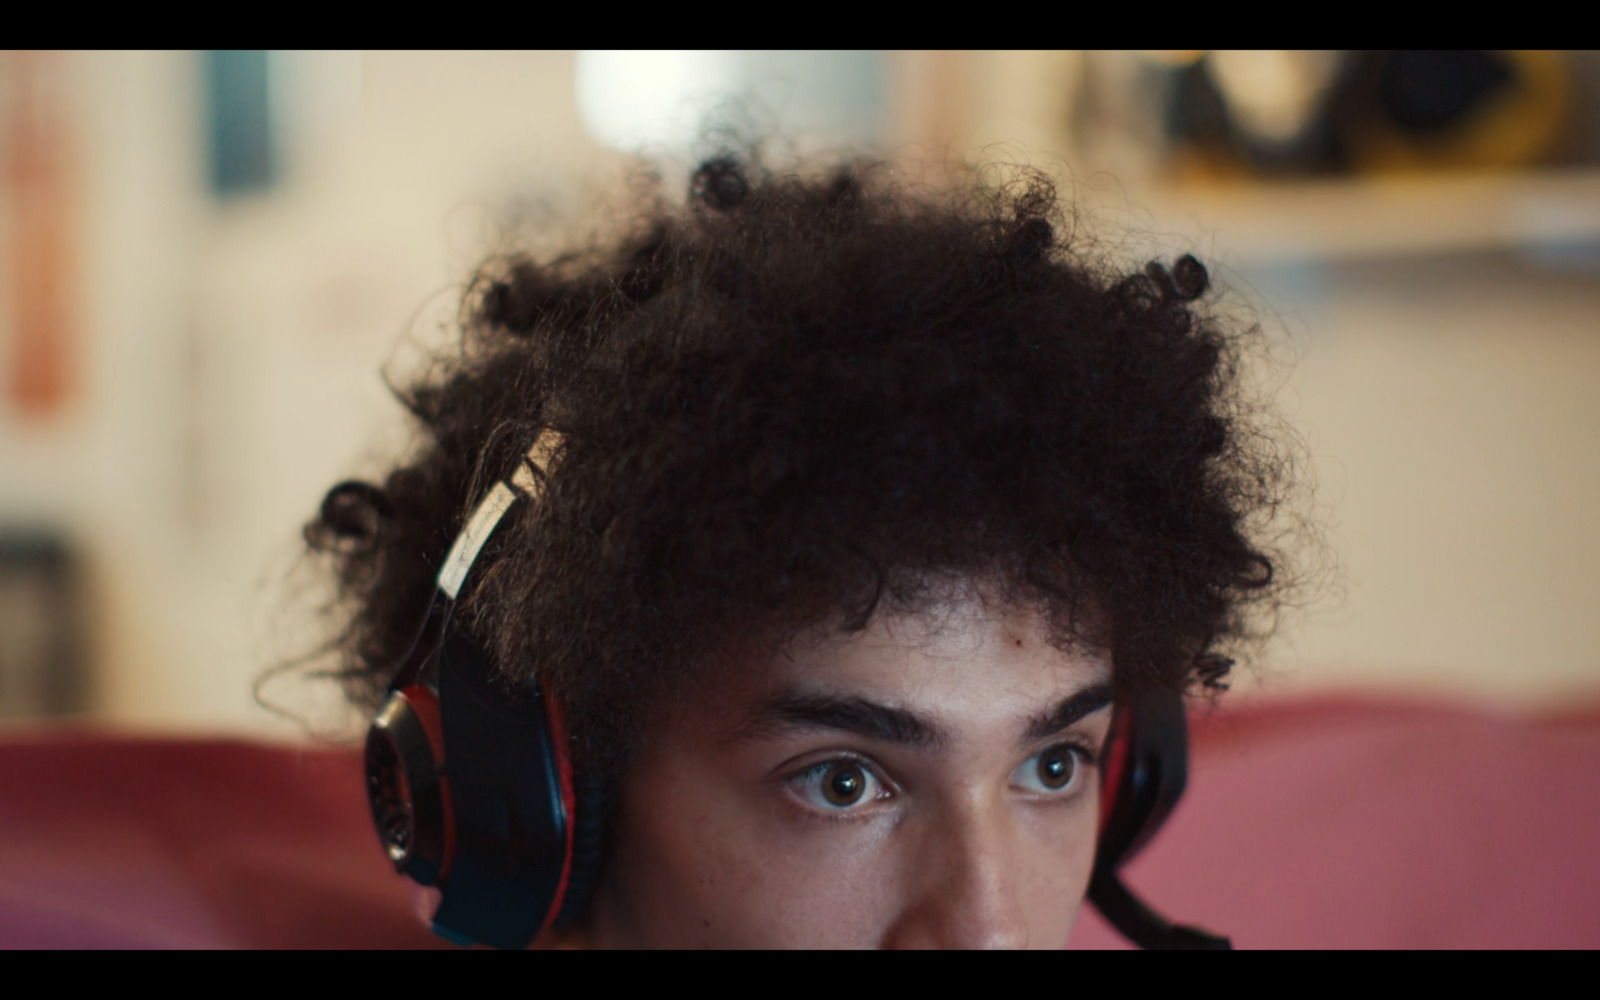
{"points": [[1280, 222]]}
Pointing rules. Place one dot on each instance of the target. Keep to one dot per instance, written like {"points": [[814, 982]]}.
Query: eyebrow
{"points": [[796, 712], [1068, 711], [793, 712]]}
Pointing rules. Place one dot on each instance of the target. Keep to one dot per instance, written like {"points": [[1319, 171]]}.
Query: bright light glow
{"points": [[633, 100], [630, 100]]}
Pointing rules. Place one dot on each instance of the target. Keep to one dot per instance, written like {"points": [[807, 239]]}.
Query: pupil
{"points": [[1055, 769], [844, 786]]}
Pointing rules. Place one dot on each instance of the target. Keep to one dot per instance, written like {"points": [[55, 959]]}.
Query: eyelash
{"points": [[885, 788], [1085, 760], [1084, 757]]}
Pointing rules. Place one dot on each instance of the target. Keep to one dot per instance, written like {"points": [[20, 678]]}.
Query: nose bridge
{"points": [[967, 878]]}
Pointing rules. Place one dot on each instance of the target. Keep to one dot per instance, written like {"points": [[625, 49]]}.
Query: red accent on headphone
{"points": [[558, 746], [1116, 760], [425, 706]]}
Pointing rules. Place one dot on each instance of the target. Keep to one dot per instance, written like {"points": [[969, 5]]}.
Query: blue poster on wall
{"points": [[241, 143]]}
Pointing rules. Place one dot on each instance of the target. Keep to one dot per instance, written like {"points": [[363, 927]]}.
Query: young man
{"points": [[827, 521]]}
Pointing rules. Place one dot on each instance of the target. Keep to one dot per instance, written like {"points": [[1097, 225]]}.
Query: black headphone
{"points": [[472, 791]]}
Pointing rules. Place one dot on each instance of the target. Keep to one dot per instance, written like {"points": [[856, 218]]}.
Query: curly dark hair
{"points": [[796, 399]]}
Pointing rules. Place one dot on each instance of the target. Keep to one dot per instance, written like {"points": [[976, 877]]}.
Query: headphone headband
{"points": [[469, 783], [525, 481]]}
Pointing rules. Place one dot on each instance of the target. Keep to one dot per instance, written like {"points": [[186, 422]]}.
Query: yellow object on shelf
{"points": [[1411, 213], [1518, 125]]}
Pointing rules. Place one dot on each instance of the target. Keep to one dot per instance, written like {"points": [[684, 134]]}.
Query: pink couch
{"points": [[1331, 824]]}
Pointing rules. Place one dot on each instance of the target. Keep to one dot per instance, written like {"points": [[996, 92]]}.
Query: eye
{"points": [[838, 786], [1054, 770]]}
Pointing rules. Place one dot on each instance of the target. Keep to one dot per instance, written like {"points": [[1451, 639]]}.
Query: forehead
{"points": [[965, 661]]}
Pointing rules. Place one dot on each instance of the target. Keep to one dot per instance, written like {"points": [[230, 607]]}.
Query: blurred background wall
{"points": [[206, 259]]}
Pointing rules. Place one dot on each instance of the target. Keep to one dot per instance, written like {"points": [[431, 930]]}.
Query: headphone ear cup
{"points": [[588, 849], [1146, 769], [511, 801], [406, 788]]}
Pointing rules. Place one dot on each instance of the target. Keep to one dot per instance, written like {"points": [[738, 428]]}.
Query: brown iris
{"points": [[1056, 767], [843, 784]]}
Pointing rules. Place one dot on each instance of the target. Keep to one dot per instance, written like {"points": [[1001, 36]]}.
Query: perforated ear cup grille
{"points": [[389, 796], [588, 848], [408, 796]]}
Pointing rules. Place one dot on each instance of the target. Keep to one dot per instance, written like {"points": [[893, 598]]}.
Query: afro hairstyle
{"points": [[793, 400]]}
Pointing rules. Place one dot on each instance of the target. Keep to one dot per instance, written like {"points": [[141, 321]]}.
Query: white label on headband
{"points": [[467, 545], [494, 506], [538, 458]]}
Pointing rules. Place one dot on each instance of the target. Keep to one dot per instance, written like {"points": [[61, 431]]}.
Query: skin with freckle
{"points": [[716, 847]]}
